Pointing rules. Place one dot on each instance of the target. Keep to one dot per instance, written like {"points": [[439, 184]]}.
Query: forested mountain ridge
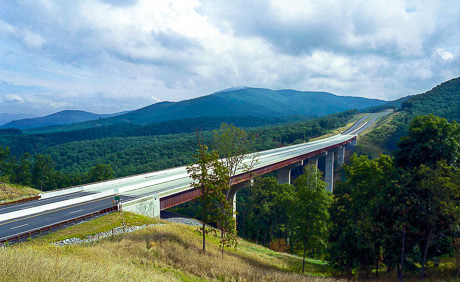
{"points": [[59, 118], [241, 102], [443, 101]]}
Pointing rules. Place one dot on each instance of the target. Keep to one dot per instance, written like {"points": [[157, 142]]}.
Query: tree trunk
{"points": [[377, 261], [427, 244], [304, 253], [400, 272], [204, 238]]}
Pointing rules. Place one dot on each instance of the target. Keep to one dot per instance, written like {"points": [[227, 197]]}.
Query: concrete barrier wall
{"points": [[148, 206]]}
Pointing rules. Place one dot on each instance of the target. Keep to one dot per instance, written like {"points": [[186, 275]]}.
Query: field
{"points": [[170, 252]]}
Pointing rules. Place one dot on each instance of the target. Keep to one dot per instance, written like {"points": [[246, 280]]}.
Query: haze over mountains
{"points": [[235, 102]]}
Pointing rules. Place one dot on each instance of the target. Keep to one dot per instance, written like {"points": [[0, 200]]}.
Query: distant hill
{"points": [[443, 101], [237, 102], [396, 104], [7, 117], [59, 118]]}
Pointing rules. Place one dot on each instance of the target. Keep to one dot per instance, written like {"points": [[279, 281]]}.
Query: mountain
{"points": [[59, 118], [443, 100], [237, 102], [7, 117]]}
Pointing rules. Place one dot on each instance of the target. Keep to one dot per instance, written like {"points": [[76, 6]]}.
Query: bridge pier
{"points": [[340, 155], [231, 195], [329, 171], [284, 174]]}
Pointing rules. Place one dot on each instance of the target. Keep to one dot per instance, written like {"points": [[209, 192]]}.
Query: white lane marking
{"points": [[19, 226], [76, 211]]}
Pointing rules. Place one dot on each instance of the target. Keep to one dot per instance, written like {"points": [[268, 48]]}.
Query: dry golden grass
{"points": [[160, 253], [19, 191]]}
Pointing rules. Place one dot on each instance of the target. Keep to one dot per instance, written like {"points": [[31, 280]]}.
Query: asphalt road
{"points": [[33, 222]]}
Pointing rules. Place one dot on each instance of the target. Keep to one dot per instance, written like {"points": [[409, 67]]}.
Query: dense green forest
{"points": [[128, 155], [396, 215]]}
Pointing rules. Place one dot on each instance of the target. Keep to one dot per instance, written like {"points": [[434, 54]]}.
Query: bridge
{"points": [[152, 192]]}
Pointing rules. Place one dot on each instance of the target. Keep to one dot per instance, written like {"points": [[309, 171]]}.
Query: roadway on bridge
{"points": [[142, 185]]}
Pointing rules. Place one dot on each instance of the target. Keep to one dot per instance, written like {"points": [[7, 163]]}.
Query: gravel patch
{"points": [[101, 235], [185, 220]]}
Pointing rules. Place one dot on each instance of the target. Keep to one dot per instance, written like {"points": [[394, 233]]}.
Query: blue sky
{"points": [[110, 56]]}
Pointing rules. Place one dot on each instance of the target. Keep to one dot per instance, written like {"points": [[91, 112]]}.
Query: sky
{"points": [[108, 56]]}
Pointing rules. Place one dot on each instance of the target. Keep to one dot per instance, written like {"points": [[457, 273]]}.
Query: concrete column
{"points": [[340, 155], [313, 161], [284, 174], [231, 195], [329, 171]]}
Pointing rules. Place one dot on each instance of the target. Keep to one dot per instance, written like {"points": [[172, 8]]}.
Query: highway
{"points": [[65, 204]]}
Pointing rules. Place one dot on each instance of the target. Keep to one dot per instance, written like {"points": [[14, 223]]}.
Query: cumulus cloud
{"points": [[109, 56]]}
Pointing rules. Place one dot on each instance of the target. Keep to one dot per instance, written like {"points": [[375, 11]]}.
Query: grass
{"points": [[171, 252], [19, 191]]}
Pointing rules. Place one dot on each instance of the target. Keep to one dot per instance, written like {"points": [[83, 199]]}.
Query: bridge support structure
{"points": [[231, 195], [329, 171], [284, 174]]}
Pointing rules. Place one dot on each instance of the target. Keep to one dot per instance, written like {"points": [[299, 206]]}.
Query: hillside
{"points": [[164, 252], [443, 101], [242, 102], [59, 118]]}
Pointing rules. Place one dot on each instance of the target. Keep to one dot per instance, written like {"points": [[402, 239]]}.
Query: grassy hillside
{"points": [[170, 252], [252, 102], [9, 192]]}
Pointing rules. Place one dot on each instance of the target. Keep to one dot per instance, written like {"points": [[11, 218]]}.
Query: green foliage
{"points": [[443, 101], [100, 172], [210, 177], [309, 211], [430, 140], [402, 214]]}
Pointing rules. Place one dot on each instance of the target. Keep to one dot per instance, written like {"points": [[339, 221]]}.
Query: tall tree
{"points": [[43, 170], [211, 178], [233, 145], [310, 210]]}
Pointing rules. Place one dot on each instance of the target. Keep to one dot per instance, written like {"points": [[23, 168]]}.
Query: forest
{"points": [[66, 163], [391, 215]]}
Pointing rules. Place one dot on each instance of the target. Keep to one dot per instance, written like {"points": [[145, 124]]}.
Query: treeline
{"points": [[39, 172], [394, 215], [138, 154]]}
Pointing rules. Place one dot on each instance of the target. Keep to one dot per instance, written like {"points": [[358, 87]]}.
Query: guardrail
{"points": [[21, 201], [54, 227]]}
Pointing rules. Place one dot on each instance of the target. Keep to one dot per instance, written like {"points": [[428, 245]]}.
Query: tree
{"points": [[310, 210], [43, 170], [100, 172], [5, 161], [430, 139], [23, 170], [211, 178], [233, 145]]}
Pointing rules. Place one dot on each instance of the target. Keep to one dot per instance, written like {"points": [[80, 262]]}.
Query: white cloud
{"points": [[110, 56]]}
